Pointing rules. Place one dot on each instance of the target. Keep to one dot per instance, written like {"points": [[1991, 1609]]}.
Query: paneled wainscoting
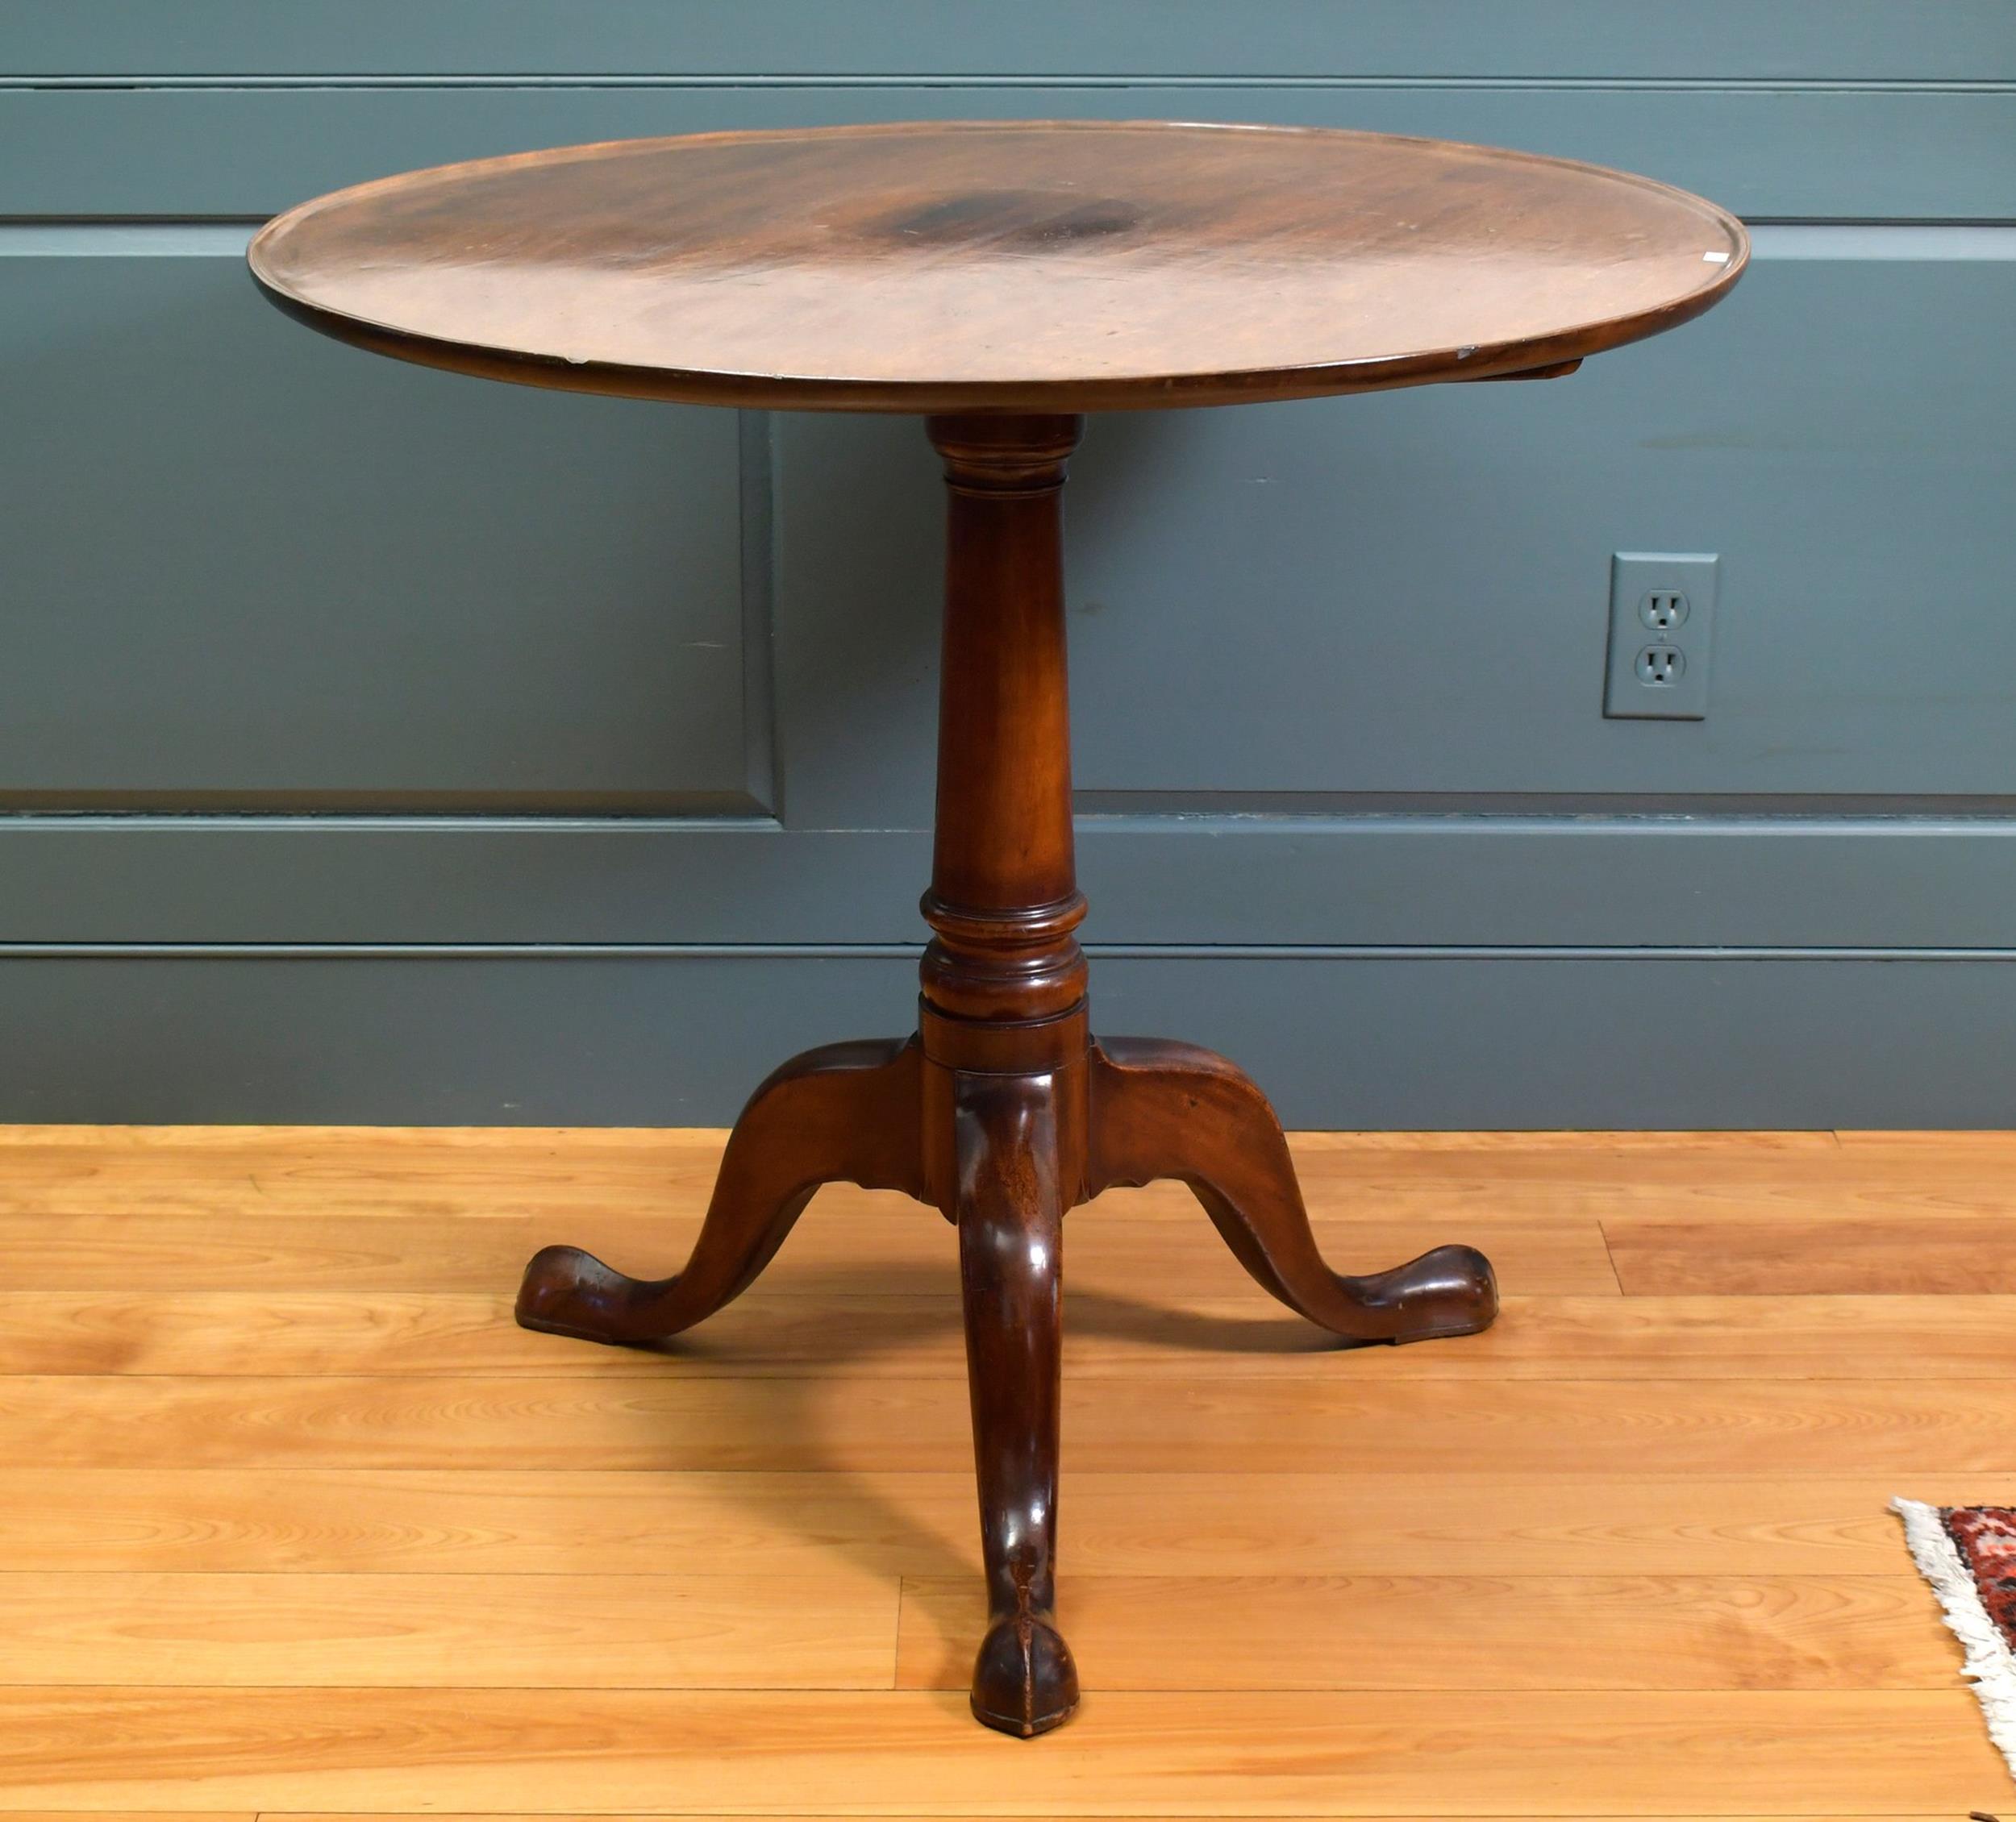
{"points": [[380, 745]]}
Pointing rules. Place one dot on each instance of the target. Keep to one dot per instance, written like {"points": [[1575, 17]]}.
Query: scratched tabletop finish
{"points": [[1020, 266]]}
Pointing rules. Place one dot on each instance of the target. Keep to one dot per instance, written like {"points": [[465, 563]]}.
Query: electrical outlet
{"points": [[1662, 623]]}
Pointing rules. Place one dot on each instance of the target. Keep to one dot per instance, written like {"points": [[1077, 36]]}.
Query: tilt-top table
{"points": [[1002, 279]]}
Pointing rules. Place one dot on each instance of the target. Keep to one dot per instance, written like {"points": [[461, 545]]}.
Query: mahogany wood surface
{"points": [[1003, 279], [1067, 266]]}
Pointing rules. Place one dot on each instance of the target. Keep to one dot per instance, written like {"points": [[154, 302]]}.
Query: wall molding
{"points": [[1332, 884], [1777, 150], [912, 952], [777, 40]]}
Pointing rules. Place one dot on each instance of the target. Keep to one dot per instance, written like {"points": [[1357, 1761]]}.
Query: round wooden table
{"points": [[1001, 279]]}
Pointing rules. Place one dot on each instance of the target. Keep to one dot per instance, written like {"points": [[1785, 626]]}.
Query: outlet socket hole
{"points": [[1663, 610]]}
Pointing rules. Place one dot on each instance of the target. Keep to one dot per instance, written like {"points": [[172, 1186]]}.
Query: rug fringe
{"points": [[1989, 1662]]}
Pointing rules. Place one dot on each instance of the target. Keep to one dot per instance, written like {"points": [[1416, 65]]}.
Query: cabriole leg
{"points": [[842, 1114], [1010, 1199], [1161, 1109]]}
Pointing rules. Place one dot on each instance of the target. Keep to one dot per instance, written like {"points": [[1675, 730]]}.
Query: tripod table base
{"points": [[1003, 1153]]}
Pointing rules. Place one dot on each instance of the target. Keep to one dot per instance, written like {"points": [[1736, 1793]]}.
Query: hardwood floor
{"points": [[294, 1522]]}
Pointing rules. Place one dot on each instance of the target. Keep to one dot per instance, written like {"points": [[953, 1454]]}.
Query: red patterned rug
{"points": [[1968, 1554]]}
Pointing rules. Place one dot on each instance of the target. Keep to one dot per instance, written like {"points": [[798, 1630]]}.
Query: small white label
{"points": [[1716, 259]]}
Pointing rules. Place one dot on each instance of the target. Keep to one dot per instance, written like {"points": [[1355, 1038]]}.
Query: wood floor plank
{"points": [[505, 1522], [1463, 1631], [506, 1170], [1284, 1753], [130, 1816], [850, 1243], [969, 1816], [373, 1175], [360, 1170], [436, 1334], [1707, 1337], [1751, 1199], [1322, 1418], [1706, 1178], [1529, 1184], [1996, 1146], [1848, 1255], [458, 1519], [835, 1630], [522, 1171]]}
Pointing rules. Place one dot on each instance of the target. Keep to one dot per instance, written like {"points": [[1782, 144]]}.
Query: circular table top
{"points": [[1044, 266]]}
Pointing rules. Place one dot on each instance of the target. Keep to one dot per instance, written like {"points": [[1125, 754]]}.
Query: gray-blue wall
{"points": [[379, 745]]}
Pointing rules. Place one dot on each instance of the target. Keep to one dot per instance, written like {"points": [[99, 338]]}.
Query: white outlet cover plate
{"points": [[1634, 574]]}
